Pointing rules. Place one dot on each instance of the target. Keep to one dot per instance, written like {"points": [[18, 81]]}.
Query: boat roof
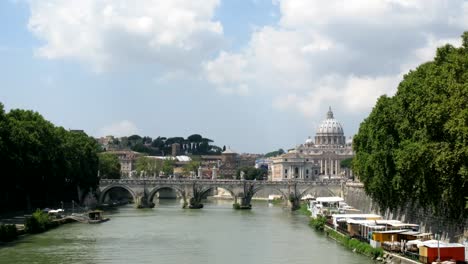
{"points": [[359, 222], [411, 233], [390, 232], [329, 199], [356, 216], [441, 244]]}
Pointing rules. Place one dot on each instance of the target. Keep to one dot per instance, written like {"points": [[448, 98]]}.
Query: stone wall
{"points": [[454, 231]]}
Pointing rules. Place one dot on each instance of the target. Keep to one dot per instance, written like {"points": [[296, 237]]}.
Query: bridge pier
{"points": [[199, 193], [295, 197]]}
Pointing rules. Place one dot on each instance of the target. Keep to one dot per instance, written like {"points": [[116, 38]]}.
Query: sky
{"points": [[254, 75]]}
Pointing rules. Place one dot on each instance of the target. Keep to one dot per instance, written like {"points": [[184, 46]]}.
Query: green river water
{"points": [[168, 234]]}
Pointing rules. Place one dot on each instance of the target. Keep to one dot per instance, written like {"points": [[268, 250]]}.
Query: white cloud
{"points": [[119, 129], [344, 53], [173, 34]]}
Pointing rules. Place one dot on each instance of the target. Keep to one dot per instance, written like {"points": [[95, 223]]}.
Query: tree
{"points": [[195, 138], [414, 145], [274, 153], [251, 173], [46, 164], [109, 166], [191, 166], [346, 163], [149, 166], [168, 167]]}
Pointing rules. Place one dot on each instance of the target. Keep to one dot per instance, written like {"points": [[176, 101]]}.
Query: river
{"points": [[168, 234]]}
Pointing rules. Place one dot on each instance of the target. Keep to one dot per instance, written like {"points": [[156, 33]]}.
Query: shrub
{"points": [[303, 209], [38, 222], [8, 233], [318, 223], [352, 243]]}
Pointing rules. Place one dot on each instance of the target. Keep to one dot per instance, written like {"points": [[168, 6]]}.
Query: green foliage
{"points": [[303, 209], [168, 167], [149, 166], [354, 244], [38, 222], [414, 145], [274, 153], [8, 233], [236, 206], [46, 164], [109, 166], [318, 223], [346, 163], [252, 173], [161, 146], [191, 166]]}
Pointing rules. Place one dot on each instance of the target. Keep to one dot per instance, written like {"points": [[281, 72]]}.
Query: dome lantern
{"points": [[330, 131]]}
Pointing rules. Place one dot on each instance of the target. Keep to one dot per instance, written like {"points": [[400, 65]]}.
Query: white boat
{"points": [[325, 206]]}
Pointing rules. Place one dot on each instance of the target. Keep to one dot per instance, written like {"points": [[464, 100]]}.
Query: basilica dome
{"points": [[330, 125], [330, 131]]}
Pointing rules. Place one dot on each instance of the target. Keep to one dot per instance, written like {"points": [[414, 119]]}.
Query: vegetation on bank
{"points": [[414, 146], [318, 222], [303, 209], [43, 164], [8, 233], [38, 222], [355, 245]]}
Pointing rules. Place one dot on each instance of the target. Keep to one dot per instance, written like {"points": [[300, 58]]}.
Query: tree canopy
{"points": [[274, 153], [414, 145], [43, 164], [148, 166], [252, 173], [109, 166], [161, 146]]}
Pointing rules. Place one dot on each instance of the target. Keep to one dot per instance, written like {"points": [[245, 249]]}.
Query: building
{"points": [[127, 159], [229, 164], [310, 160]]}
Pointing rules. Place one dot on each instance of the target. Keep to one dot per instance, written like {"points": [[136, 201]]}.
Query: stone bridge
{"points": [[192, 191]]}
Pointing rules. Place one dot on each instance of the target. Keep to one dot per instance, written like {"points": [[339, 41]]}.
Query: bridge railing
{"points": [[210, 181]]}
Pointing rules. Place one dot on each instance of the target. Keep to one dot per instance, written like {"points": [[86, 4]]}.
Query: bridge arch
{"points": [[282, 193], [229, 189], [159, 188], [104, 191], [322, 188]]}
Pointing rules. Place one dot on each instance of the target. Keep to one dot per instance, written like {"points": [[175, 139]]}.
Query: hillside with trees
{"points": [[413, 147], [161, 146], [43, 164]]}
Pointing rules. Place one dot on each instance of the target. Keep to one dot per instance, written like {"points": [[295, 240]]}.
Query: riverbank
{"points": [[36, 223], [355, 245]]}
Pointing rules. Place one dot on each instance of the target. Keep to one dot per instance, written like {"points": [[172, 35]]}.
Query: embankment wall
{"points": [[450, 230]]}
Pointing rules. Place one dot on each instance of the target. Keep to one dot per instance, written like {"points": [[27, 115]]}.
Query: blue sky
{"points": [[255, 75]]}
